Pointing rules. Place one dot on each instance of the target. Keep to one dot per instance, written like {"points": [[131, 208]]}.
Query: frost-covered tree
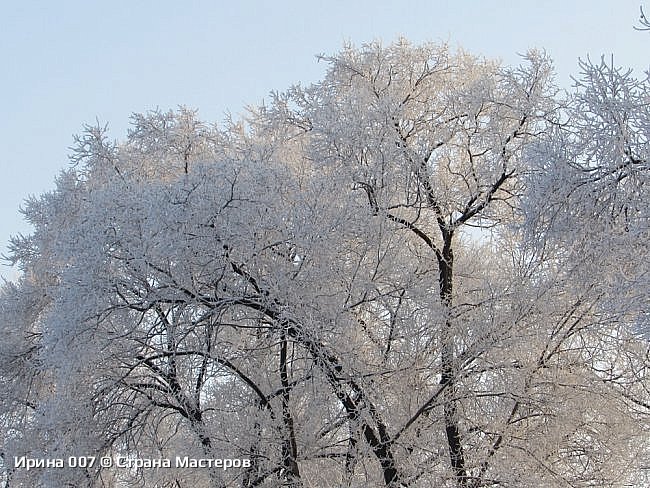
{"points": [[591, 174], [182, 312], [439, 144], [588, 208], [434, 140], [398, 276]]}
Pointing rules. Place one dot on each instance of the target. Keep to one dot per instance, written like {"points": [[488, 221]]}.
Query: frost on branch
{"points": [[427, 269]]}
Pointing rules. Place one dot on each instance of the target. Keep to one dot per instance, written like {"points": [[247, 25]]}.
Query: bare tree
{"points": [[426, 269], [643, 21]]}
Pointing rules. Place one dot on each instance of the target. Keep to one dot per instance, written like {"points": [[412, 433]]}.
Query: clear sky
{"points": [[66, 63]]}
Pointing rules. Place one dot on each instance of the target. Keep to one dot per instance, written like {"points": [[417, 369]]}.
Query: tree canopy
{"points": [[426, 269]]}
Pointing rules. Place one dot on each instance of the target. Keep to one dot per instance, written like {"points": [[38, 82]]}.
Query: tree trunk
{"points": [[289, 445], [452, 430]]}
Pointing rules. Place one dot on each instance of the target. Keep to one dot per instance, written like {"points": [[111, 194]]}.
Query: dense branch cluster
{"points": [[427, 269]]}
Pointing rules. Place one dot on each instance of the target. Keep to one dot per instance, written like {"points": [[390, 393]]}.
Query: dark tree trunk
{"points": [[289, 445], [452, 430]]}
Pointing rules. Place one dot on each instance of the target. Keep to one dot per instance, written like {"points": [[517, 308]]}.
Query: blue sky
{"points": [[67, 63]]}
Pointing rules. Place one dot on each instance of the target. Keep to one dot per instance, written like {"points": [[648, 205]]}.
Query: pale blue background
{"points": [[65, 63]]}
